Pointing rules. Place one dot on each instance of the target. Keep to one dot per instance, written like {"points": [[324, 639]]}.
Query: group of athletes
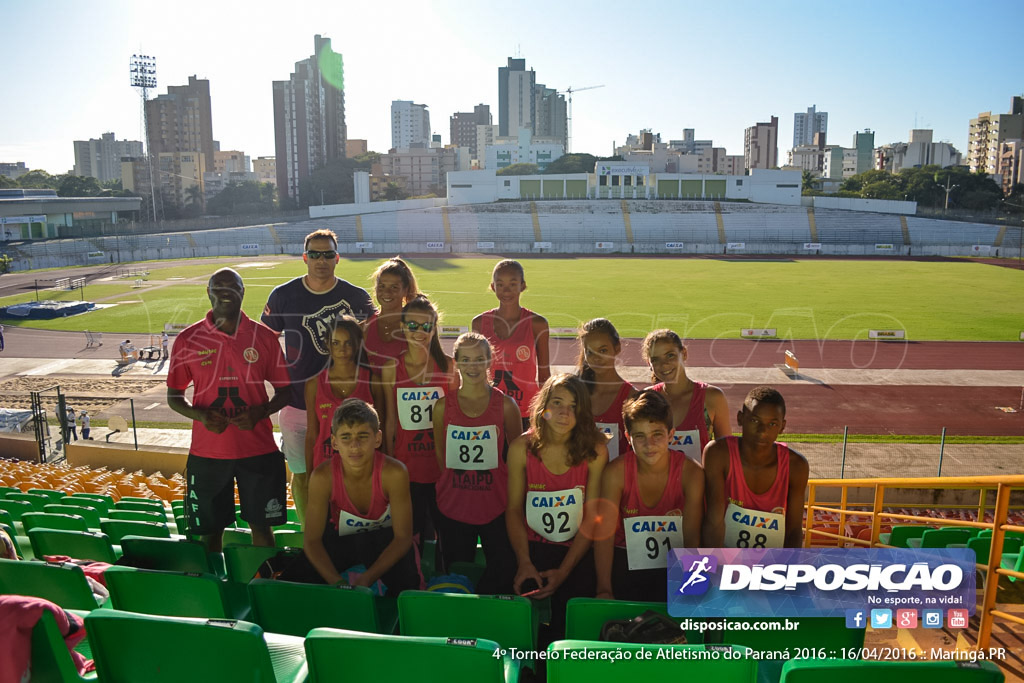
{"points": [[575, 484]]}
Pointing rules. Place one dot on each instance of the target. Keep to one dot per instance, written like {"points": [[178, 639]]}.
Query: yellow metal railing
{"points": [[1002, 486]]}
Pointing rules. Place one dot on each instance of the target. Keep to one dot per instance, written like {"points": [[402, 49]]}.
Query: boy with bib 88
{"points": [[754, 487]]}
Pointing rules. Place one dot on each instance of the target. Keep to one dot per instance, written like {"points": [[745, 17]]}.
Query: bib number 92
{"points": [[555, 522]]}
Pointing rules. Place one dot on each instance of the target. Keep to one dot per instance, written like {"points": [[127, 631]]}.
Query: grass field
{"points": [[699, 298]]}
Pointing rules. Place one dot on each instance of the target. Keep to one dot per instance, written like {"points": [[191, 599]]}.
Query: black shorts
{"points": [[210, 492]]}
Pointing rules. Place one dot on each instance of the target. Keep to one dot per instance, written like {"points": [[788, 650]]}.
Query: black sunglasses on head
{"points": [[314, 254]]}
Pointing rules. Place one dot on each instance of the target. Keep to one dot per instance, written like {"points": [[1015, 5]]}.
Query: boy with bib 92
{"points": [[658, 495], [754, 487]]}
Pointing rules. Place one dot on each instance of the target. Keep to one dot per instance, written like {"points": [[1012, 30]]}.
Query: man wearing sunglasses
{"points": [[303, 310]]}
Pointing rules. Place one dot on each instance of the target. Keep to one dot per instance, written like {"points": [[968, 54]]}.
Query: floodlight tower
{"points": [[143, 76]]}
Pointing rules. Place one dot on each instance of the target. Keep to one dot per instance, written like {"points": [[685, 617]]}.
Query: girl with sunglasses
{"points": [[413, 383]]}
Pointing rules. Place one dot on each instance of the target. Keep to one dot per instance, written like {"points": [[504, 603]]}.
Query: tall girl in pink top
{"points": [[700, 410], [348, 376], [755, 487], [471, 429], [413, 383], [519, 338], [394, 285], [553, 470], [599, 347]]}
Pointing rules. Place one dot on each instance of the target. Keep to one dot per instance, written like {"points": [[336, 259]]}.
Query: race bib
{"points": [[555, 515], [649, 540], [471, 448], [349, 524], [754, 529], [611, 430], [687, 443], [416, 406]]}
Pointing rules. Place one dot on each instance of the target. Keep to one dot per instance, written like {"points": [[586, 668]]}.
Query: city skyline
{"points": [[682, 65]]}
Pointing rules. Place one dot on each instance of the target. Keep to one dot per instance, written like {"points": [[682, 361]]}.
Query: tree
{"points": [[78, 186], [332, 184], [38, 179], [393, 192], [5, 263], [7, 182], [243, 199], [807, 182], [572, 163], [519, 169], [193, 201]]}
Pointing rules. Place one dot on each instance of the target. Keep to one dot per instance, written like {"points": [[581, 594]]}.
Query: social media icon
{"points": [[881, 618], [957, 618], [856, 618], [932, 618], [906, 618]]}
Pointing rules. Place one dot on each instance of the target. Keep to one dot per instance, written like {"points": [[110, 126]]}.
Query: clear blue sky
{"points": [[717, 67]]}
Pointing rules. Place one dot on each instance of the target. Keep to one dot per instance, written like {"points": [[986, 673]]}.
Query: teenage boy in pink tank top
{"points": [[754, 487]]}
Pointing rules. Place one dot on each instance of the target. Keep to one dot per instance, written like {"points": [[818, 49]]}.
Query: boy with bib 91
{"points": [[754, 487], [659, 498]]}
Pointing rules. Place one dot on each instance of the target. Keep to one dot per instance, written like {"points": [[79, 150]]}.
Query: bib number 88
{"points": [[743, 541]]}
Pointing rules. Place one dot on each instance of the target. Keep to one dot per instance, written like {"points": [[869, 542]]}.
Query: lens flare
{"points": [[599, 519]]}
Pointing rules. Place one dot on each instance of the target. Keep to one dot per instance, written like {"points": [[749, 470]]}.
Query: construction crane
{"points": [[569, 91]]}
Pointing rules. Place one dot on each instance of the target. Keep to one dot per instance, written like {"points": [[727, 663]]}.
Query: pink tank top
{"points": [[414, 437], [694, 421], [540, 480], [613, 416], [377, 351], [473, 494], [327, 403], [515, 359], [340, 502], [673, 499], [772, 500]]}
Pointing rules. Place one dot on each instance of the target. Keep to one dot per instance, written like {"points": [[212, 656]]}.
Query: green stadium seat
{"points": [[90, 514], [584, 617], [900, 534], [240, 564], [6, 518], [829, 633], [839, 671], [48, 520], [297, 608], [287, 538], [119, 528], [166, 554], [982, 546], [510, 621], [51, 662], [293, 515], [170, 594], [79, 545], [140, 647], [16, 508], [237, 537], [692, 666], [178, 506], [139, 499], [101, 503], [939, 538], [63, 584], [1014, 561], [34, 499], [987, 533], [51, 495], [138, 516], [9, 528], [4, 490], [471, 570], [141, 505], [337, 655]]}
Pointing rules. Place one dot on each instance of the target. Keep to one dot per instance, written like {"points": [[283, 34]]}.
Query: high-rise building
{"points": [[230, 161], [181, 121], [265, 169], [13, 170], [1011, 164], [806, 125], [425, 169], [864, 143], [920, 151], [515, 97], [550, 118], [463, 127], [988, 131], [309, 118], [761, 145], [410, 125], [101, 159], [355, 148]]}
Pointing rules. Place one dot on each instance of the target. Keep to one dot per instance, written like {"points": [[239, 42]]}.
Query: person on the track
{"points": [[519, 337], [755, 487], [599, 346], [700, 410]]}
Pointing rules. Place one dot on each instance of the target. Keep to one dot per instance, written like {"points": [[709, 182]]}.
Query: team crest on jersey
{"points": [[251, 355], [678, 440], [656, 526], [319, 324], [472, 434], [523, 353]]}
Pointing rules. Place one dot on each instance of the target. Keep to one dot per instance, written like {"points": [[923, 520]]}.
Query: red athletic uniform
{"points": [[671, 503], [227, 372], [691, 435], [327, 402], [755, 520], [345, 516], [378, 352], [554, 503], [473, 487], [515, 358], [414, 438], [610, 422]]}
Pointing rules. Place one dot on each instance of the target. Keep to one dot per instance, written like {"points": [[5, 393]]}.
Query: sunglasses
{"points": [[314, 254], [413, 326]]}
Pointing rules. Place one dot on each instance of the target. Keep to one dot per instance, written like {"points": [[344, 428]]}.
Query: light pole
{"points": [[143, 76], [948, 189]]}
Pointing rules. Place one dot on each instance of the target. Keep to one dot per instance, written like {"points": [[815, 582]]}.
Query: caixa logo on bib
{"points": [[787, 582]]}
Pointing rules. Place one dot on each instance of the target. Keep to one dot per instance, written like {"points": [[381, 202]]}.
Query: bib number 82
{"points": [[477, 455]]}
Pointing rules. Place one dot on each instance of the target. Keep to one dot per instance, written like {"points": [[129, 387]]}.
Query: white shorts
{"points": [[293, 438]]}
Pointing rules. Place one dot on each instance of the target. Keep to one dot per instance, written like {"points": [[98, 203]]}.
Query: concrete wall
{"points": [[19, 447], [114, 456], [873, 205], [329, 210]]}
